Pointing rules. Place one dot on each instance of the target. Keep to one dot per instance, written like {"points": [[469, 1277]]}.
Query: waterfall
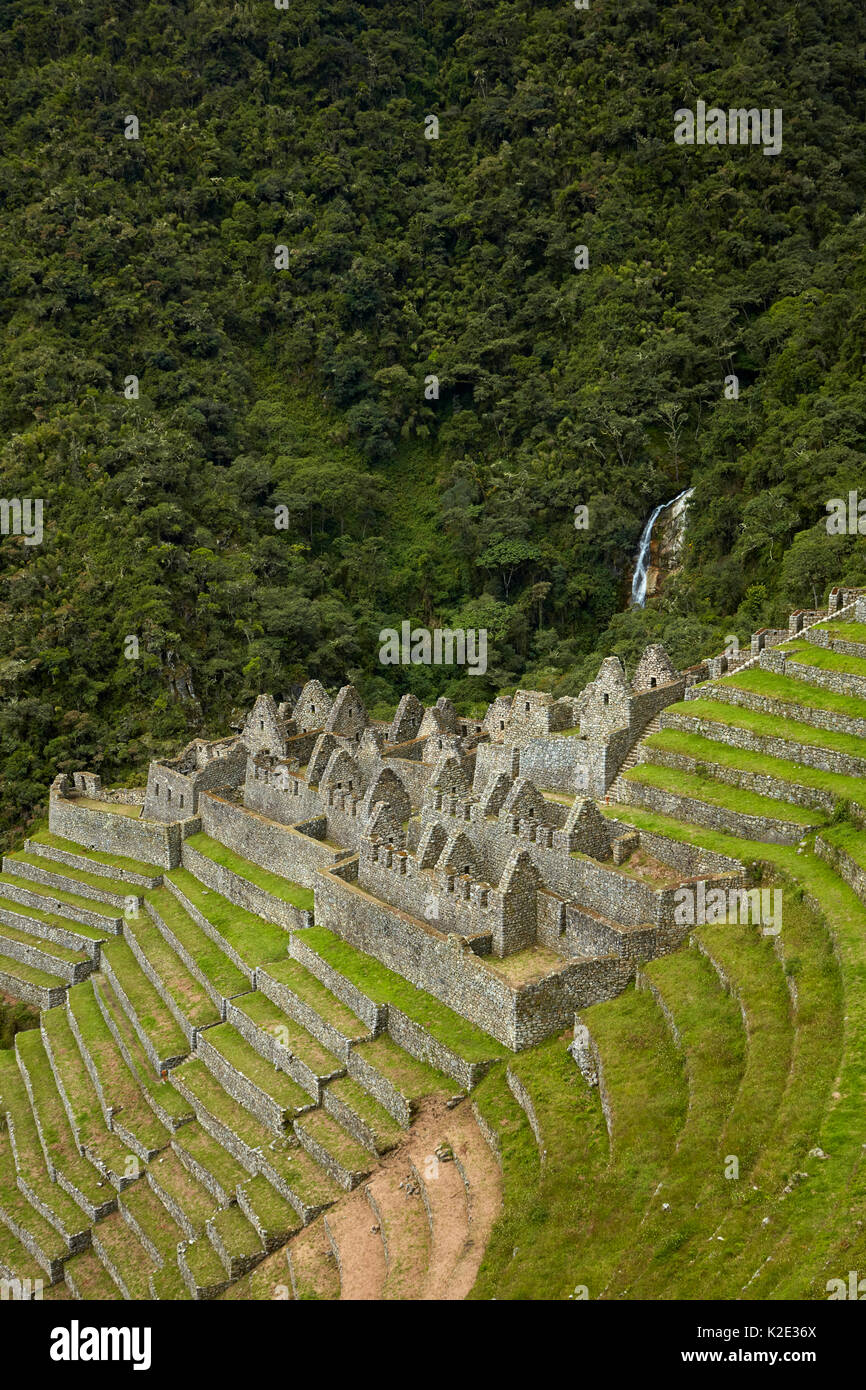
{"points": [[639, 578]]}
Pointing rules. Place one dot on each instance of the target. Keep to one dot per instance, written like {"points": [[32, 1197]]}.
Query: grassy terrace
{"points": [[213, 963], [289, 1033], [161, 1093], [768, 726], [239, 1054], [413, 1079], [12, 934], [816, 1219], [848, 632], [51, 919], [353, 1095], [567, 1222], [848, 839], [301, 982], [710, 751], [279, 887], [52, 896], [383, 986], [211, 1099], [255, 941], [116, 861], [188, 994], [108, 885], [720, 794], [161, 1027], [825, 660], [29, 974], [792, 692]]}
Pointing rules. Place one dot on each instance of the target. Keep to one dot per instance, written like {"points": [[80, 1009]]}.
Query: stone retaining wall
{"points": [[113, 833], [242, 892], [280, 849], [808, 754], [764, 828]]}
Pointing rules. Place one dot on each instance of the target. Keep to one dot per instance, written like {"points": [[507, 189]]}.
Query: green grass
{"points": [[384, 986], [825, 660], [720, 794], [351, 1093], [768, 726], [712, 752], [849, 839], [281, 888], [213, 963], [238, 1236], [256, 942], [28, 974], [793, 692]]}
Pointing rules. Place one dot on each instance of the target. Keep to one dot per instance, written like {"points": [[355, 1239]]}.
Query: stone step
{"points": [[202, 1269], [74, 1096], [198, 952], [45, 1245], [213, 1166], [186, 999], [304, 998], [162, 1097], [246, 884], [162, 1037], [272, 1215], [82, 883], [88, 1280], [34, 1180], [394, 1078], [25, 982], [120, 1098], [153, 1224], [368, 1122], [184, 1197], [123, 1256], [244, 938], [236, 1241]]}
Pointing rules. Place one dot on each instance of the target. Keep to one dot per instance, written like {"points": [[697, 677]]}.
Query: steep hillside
{"points": [[407, 257]]}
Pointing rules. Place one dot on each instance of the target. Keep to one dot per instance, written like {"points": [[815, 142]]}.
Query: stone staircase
{"points": [[618, 786], [197, 1102]]}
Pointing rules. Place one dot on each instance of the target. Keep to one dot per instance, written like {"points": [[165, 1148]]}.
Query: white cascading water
{"points": [[639, 578]]}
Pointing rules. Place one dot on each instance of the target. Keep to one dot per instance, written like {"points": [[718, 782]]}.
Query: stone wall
{"points": [[774, 832], [114, 833], [448, 969], [280, 849], [243, 893]]}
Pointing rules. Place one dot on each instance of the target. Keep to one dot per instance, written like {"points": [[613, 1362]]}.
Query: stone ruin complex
{"points": [[470, 856]]}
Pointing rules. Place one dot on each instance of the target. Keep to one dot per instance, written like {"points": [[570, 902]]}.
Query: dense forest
{"points": [[308, 388]]}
